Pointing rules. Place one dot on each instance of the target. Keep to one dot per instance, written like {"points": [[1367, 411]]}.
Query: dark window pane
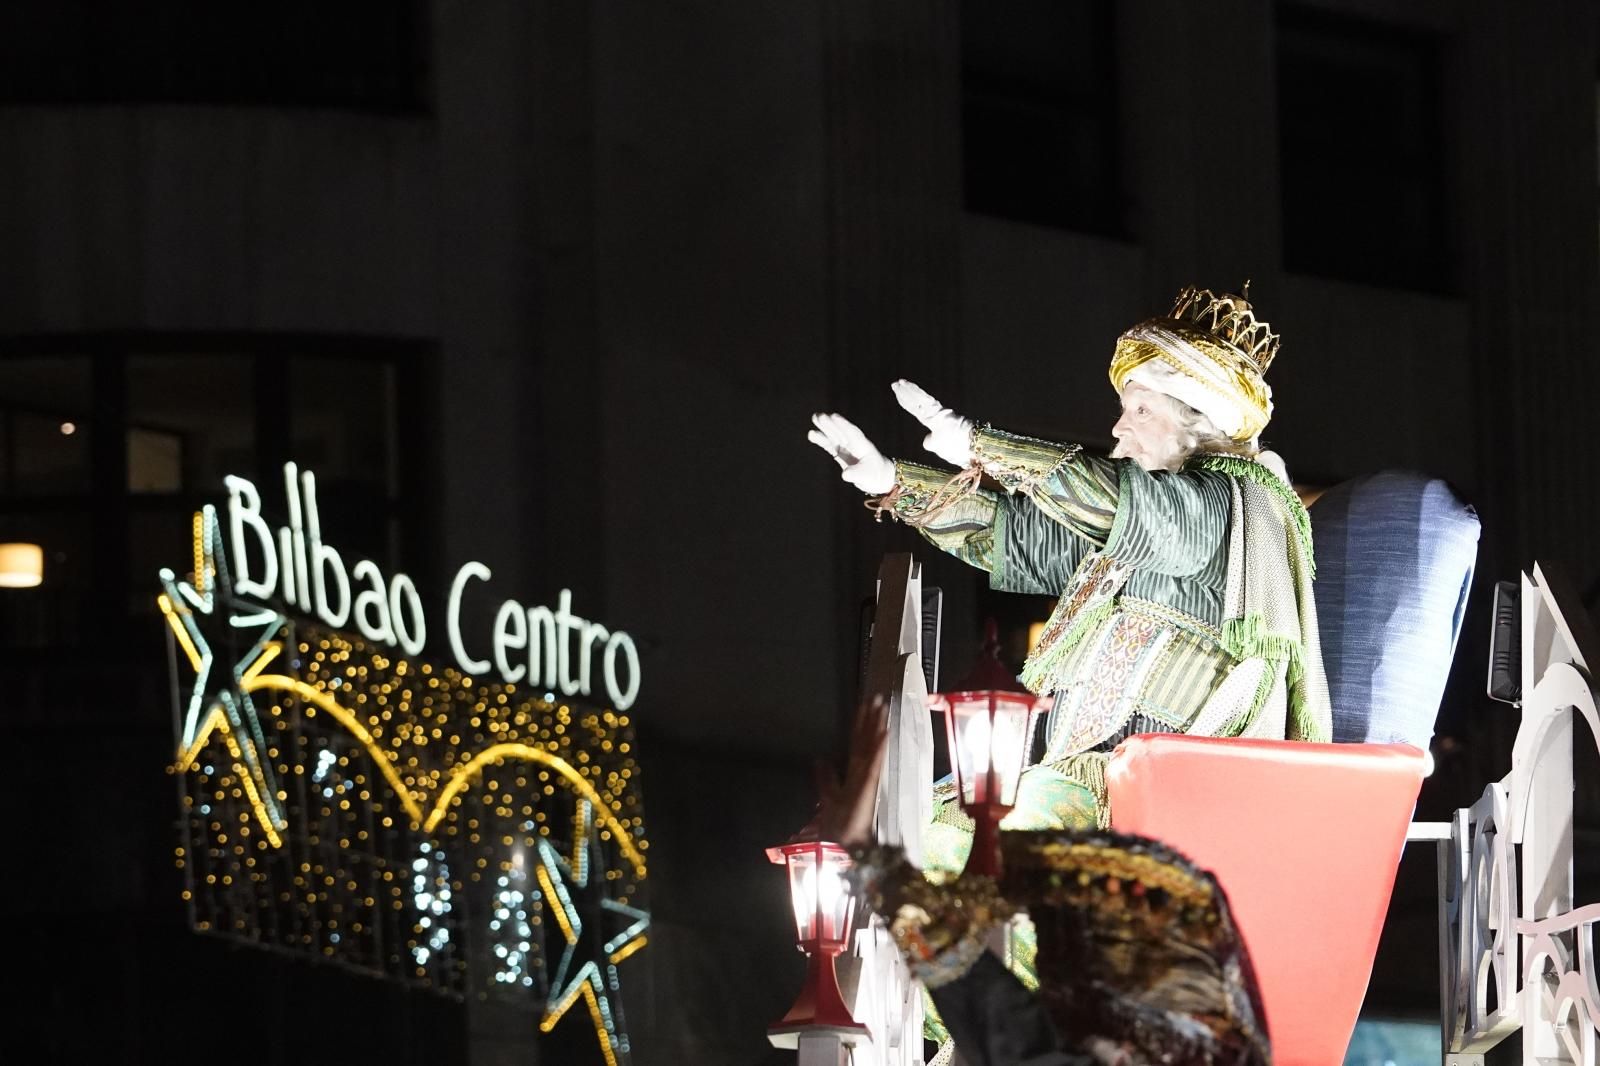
{"points": [[191, 421], [1039, 113], [342, 426], [363, 54], [187, 420], [159, 538], [155, 460], [1363, 146], [44, 425]]}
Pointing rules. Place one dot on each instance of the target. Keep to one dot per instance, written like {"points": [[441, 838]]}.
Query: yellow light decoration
{"points": [[461, 777], [549, 888], [171, 613], [578, 976], [199, 552], [430, 733], [327, 703], [628, 949], [587, 992]]}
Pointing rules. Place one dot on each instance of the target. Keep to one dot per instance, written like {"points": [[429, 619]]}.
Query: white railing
{"points": [[1515, 953], [873, 977]]}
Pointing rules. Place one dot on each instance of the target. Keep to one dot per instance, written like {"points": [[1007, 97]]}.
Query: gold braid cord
{"points": [[920, 494]]}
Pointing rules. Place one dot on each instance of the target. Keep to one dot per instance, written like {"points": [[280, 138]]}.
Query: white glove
{"points": [[860, 462], [949, 435]]}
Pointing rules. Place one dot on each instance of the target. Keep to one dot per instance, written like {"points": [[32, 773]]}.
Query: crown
{"points": [[1229, 319]]}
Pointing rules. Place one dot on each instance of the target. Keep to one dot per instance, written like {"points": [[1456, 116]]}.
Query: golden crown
{"points": [[1229, 319]]}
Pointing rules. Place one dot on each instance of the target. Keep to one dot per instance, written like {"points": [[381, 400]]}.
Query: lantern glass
{"points": [[1008, 745], [969, 746], [989, 744], [820, 893]]}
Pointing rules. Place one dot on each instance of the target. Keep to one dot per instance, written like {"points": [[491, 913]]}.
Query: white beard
{"points": [[1170, 458]]}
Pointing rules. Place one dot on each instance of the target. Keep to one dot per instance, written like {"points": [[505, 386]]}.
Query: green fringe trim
{"points": [[1241, 721], [1244, 638], [1250, 470], [1025, 951], [1301, 725], [1088, 768], [932, 1025], [1040, 670]]}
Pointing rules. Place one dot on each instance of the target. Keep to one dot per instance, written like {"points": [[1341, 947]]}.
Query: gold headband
{"points": [[1218, 368]]}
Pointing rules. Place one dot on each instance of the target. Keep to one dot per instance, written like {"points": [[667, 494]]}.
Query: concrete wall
{"points": [[711, 324]]}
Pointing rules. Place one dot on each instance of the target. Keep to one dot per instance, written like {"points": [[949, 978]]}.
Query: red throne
{"points": [[1305, 839]]}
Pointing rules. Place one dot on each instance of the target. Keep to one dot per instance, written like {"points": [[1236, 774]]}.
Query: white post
{"points": [[894, 672], [822, 1049], [885, 998], [1512, 915], [873, 979]]}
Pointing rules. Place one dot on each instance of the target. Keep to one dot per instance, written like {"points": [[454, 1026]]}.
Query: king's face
{"points": [[1148, 430]]}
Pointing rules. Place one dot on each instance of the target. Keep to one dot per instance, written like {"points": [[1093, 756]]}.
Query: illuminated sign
{"points": [[555, 648], [348, 800]]}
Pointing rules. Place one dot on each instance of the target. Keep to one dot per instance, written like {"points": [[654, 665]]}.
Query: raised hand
{"points": [[949, 435], [860, 462]]}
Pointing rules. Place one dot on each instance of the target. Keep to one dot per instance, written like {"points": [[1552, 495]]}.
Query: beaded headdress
{"points": [[1137, 945]]}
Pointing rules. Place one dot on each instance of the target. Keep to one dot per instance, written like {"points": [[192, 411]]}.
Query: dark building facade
{"points": [[556, 286]]}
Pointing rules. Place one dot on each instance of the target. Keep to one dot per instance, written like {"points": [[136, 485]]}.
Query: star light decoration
{"points": [[230, 640], [212, 625], [588, 967]]}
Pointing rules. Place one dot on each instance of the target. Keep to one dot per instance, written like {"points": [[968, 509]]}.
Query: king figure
{"points": [[1183, 561]]}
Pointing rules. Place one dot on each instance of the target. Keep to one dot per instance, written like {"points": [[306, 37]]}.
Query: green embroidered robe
{"points": [[1184, 604]]}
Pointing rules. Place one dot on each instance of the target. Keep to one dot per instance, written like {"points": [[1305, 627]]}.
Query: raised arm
{"points": [[1022, 549], [1059, 503], [1165, 522], [1077, 490], [1068, 486]]}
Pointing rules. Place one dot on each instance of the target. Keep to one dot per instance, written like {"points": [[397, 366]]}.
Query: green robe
{"points": [[1157, 628], [1185, 606]]}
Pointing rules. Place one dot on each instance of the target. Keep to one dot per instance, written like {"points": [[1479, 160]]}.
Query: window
{"points": [[45, 427], [358, 54], [1361, 132], [191, 420], [1039, 113], [108, 445], [352, 447]]}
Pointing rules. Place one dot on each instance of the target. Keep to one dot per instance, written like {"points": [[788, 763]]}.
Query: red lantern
{"points": [[989, 729], [824, 904]]}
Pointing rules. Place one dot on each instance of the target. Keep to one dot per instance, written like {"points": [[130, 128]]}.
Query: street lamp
{"points": [[21, 565], [824, 905], [989, 726]]}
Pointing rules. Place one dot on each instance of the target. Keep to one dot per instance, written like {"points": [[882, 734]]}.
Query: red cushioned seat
{"points": [[1306, 840]]}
